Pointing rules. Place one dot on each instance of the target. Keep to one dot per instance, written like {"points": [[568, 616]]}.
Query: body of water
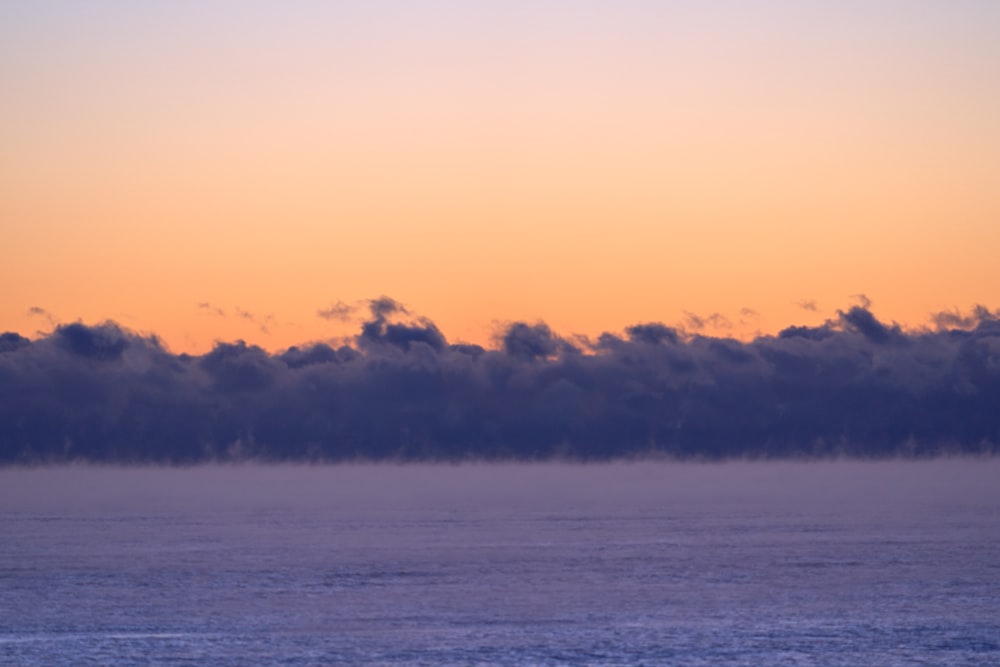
{"points": [[647, 563]]}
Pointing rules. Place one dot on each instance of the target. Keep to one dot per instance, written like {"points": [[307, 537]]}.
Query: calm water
{"points": [[646, 563]]}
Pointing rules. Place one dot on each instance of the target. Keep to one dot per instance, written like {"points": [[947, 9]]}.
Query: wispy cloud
{"points": [[209, 308], [260, 322], [715, 321], [862, 300], [339, 311], [955, 319], [38, 311]]}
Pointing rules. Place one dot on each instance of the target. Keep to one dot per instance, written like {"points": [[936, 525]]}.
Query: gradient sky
{"points": [[221, 170]]}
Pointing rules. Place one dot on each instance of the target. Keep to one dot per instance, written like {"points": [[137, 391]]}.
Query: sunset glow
{"points": [[215, 171]]}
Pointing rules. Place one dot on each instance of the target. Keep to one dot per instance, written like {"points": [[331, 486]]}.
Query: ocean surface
{"points": [[646, 563]]}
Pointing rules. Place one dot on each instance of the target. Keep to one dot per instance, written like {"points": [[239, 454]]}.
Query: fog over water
{"points": [[842, 487], [778, 563], [399, 390]]}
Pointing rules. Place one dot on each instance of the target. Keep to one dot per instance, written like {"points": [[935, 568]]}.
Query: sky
{"points": [[209, 171]]}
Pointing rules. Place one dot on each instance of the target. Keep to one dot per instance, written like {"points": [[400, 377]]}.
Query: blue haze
{"points": [[840, 563]]}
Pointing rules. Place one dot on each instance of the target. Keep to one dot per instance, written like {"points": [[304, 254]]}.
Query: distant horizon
{"points": [[399, 390]]}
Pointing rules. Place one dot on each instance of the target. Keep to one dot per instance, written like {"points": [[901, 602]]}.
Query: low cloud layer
{"points": [[854, 386]]}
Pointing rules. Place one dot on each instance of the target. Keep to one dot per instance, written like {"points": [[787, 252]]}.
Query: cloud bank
{"points": [[854, 386]]}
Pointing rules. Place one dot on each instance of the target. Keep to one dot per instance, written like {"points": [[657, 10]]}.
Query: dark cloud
{"points": [[853, 386], [529, 341], [812, 333], [238, 367], [10, 341], [652, 333], [103, 342], [861, 320], [383, 307], [318, 353], [954, 319], [731, 351], [379, 330]]}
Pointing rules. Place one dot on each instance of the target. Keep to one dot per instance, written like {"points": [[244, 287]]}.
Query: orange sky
{"points": [[590, 164]]}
